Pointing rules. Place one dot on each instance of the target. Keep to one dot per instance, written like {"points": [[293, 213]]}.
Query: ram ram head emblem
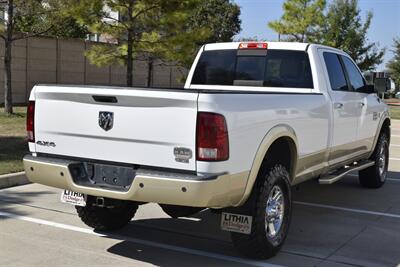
{"points": [[106, 120]]}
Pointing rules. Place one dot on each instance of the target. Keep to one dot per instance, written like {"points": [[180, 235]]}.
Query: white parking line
{"points": [[138, 241], [384, 214], [395, 135], [394, 145], [394, 158]]}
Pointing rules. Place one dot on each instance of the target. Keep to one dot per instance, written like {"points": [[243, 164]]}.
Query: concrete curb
{"points": [[13, 179]]}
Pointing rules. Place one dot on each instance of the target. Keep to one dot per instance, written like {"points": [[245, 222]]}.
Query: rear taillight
{"points": [[212, 137], [30, 121]]}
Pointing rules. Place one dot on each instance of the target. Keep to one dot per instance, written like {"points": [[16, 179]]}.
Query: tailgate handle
{"points": [[105, 99]]}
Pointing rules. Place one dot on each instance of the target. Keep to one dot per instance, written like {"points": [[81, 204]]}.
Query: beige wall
{"points": [[47, 60]]}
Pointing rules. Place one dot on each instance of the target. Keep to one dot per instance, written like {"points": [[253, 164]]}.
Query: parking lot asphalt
{"points": [[332, 225]]}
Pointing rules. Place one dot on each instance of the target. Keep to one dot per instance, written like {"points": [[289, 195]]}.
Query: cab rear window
{"points": [[275, 68]]}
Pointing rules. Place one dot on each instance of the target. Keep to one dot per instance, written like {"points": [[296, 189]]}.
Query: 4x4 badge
{"points": [[106, 120], [182, 154]]}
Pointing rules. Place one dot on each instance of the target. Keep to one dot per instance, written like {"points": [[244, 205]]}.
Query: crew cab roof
{"points": [[271, 45]]}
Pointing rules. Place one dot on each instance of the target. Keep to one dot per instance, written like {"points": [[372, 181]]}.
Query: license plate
{"points": [[73, 198], [236, 223]]}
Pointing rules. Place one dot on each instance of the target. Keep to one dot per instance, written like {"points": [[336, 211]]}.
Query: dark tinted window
{"points": [[215, 67], [288, 69], [355, 77], [250, 68], [335, 71], [279, 68]]}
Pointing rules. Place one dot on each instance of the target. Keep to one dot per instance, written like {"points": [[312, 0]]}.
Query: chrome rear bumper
{"points": [[216, 191]]}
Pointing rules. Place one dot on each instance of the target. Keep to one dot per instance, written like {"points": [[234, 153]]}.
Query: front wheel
{"points": [[375, 176], [271, 216]]}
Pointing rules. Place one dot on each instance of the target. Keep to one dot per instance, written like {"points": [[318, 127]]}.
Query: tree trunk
{"points": [[129, 61], [129, 58], [8, 104], [149, 72]]}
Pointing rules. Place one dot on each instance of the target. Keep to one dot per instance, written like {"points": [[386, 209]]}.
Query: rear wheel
{"points": [[107, 218], [271, 212], [375, 176]]}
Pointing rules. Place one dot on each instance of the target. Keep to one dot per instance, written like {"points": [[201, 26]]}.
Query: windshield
{"points": [[271, 68]]}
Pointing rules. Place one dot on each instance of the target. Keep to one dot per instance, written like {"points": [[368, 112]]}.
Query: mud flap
{"points": [[238, 223]]}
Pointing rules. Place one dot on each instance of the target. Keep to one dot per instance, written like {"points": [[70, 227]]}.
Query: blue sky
{"points": [[384, 27]]}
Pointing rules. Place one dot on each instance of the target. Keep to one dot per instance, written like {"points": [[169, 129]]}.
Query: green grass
{"points": [[13, 144], [395, 112]]}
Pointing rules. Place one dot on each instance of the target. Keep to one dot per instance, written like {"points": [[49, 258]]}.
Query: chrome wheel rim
{"points": [[382, 162], [274, 212]]}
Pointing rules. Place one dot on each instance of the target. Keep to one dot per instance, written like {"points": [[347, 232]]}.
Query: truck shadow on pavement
{"points": [[317, 234], [393, 175], [9, 199], [201, 233]]}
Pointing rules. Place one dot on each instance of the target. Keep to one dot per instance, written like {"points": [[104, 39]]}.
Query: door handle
{"points": [[338, 105], [362, 104], [105, 99]]}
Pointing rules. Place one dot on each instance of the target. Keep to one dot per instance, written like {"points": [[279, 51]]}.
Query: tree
{"points": [[345, 30], [140, 28], [22, 20], [217, 20], [301, 20], [56, 16], [67, 28], [394, 64], [341, 27], [220, 17]]}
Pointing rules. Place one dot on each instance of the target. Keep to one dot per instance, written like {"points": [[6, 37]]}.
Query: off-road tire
{"points": [[175, 211], [258, 244], [106, 218], [374, 177]]}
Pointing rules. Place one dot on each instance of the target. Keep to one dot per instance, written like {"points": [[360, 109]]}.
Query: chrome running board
{"points": [[336, 176]]}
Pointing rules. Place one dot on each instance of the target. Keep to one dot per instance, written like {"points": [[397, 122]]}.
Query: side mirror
{"points": [[368, 89]]}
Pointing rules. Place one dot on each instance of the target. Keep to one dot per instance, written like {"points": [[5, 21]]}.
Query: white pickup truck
{"points": [[253, 120]]}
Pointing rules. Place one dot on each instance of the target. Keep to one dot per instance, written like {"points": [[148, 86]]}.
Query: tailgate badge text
{"points": [[182, 154]]}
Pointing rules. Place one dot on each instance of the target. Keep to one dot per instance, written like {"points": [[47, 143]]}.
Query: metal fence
{"points": [[62, 61]]}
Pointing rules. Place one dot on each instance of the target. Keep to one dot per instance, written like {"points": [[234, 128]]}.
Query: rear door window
{"points": [[336, 74], [276, 68]]}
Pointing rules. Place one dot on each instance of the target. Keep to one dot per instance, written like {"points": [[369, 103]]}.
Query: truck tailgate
{"points": [[147, 124]]}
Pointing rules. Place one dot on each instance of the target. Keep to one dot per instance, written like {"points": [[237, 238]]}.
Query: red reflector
{"points": [[253, 46], [30, 121], [212, 137]]}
